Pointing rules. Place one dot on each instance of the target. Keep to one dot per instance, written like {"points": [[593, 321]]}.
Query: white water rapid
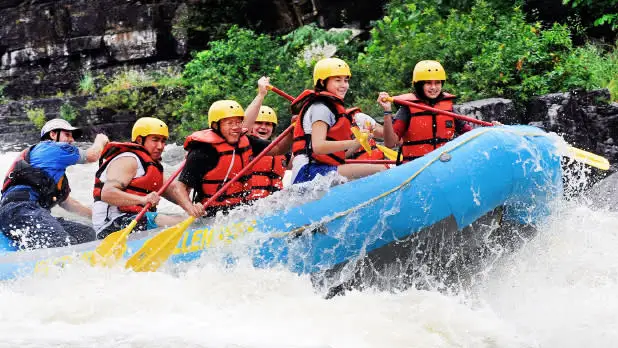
{"points": [[559, 290]]}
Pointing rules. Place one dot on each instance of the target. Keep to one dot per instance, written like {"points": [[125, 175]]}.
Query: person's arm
{"points": [[119, 174], [74, 206], [321, 146], [251, 113], [390, 137], [178, 193], [200, 159], [94, 151]]}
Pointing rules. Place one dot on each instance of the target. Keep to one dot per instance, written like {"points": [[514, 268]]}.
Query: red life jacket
{"points": [[22, 173], [151, 181], [427, 130], [341, 130], [232, 159], [267, 176]]}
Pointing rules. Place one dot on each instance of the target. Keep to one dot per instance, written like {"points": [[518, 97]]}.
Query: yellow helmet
{"points": [[223, 109], [148, 126], [266, 114], [428, 70], [328, 67]]}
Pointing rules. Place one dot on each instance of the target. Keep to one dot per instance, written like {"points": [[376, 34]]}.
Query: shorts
{"points": [[310, 170], [30, 226], [146, 223]]}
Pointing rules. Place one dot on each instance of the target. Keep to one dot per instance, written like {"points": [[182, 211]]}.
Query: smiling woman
{"points": [[323, 137]]}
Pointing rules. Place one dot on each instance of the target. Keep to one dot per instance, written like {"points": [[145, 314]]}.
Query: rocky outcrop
{"points": [[585, 119], [46, 46], [17, 130]]}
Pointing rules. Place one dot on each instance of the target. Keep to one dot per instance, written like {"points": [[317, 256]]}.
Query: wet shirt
{"points": [[203, 158], [53, 158]]}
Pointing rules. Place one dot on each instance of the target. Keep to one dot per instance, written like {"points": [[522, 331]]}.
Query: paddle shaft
{"points": [[444, 112], [280, 92], [351, 161], [161, 190]]}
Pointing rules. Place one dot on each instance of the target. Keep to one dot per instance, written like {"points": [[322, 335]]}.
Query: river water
{"points": [[559, 290]]}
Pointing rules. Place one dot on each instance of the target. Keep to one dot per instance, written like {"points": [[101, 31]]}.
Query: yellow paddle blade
{"points": [[363, 138], [111, 249], [588, 158], [158, 249], [389, 153]]}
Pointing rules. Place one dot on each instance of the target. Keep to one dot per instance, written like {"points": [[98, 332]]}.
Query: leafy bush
{"points": [[68, 112], [37, 117], [87, 84], [485, 54], [605, 11], [146, 94], [230, 68], [3, 99]]}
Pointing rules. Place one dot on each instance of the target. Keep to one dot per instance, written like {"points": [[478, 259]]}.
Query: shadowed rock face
{"points": [[46, 45]]}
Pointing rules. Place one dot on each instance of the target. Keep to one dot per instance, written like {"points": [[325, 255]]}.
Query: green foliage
{"points": [[129, 79], [87, 84], [605, 11], [68, 112], [603, 67], [37, 117], [153, 94], [3, 99], [230, 68], [485, 54]]}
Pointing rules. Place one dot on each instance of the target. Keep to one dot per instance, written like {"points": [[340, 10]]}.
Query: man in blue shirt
{"points": [[37, 182]]}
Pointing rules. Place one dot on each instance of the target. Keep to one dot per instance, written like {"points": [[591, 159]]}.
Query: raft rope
{"points": [[299, 230]]}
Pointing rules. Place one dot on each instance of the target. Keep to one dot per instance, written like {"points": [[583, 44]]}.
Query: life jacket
{"points": [[151, 181], [376, 154], [267, 176], [427, 130], [341, 130], [22, 173], [232, 159]]}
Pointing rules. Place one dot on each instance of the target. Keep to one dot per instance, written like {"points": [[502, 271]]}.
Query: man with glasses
{"points": [[218, 154]]}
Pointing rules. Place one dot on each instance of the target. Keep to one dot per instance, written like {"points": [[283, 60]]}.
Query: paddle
{"points": [[580, 155], [363, 139], [444, 112], [388, 153], [280, 92], [111, 249], [160, 247]]}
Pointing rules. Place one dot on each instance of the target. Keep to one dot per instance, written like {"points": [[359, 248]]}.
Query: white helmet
{"points": [[58, 123]]}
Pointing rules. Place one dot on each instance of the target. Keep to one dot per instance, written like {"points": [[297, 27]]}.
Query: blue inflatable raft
{"points": [[491, 175]]}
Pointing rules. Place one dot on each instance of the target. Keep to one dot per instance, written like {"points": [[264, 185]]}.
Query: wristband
{"points": [[388, 113]]}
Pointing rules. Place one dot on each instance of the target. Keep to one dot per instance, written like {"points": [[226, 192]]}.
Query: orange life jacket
{"points": [[267, 176], [341, 130], [232, 159], [427, 130], [151, 181], [22, 173]]}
